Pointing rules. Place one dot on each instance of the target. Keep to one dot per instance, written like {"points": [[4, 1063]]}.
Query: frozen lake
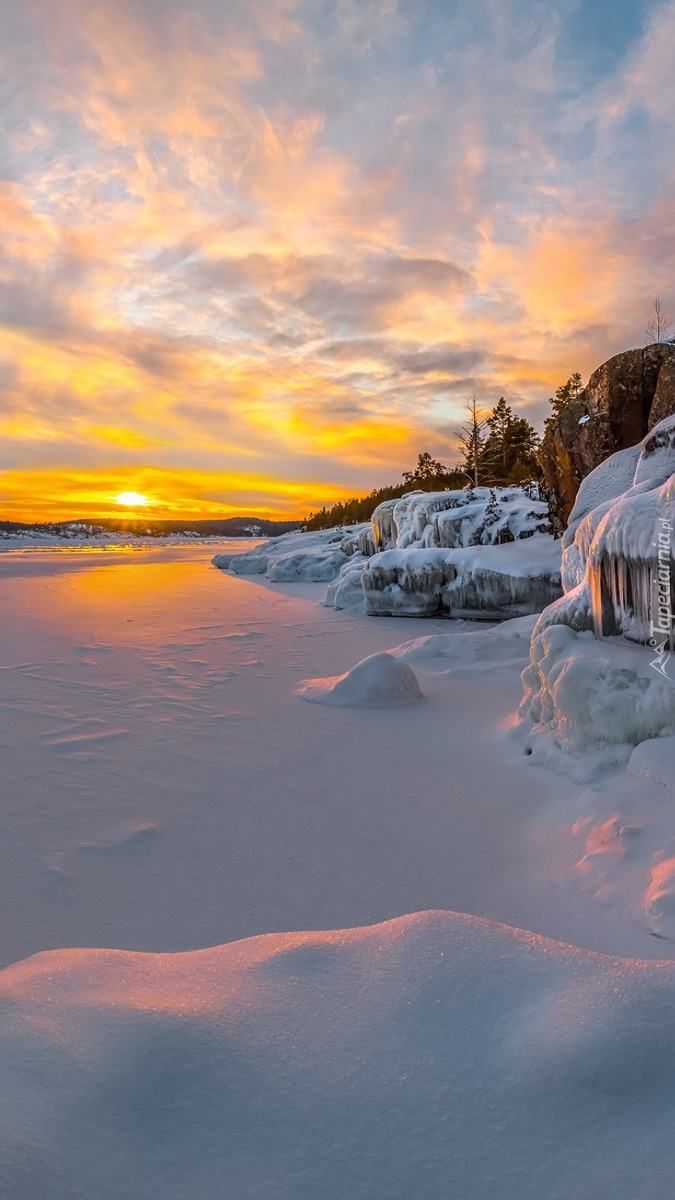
{"points": [[164, 788]]}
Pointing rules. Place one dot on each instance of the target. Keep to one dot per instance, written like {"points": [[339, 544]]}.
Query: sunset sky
{"points": [[256, 254]]}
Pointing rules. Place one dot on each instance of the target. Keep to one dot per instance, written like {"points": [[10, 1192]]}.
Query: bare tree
{"points": [[659, 324], [472, 439]]}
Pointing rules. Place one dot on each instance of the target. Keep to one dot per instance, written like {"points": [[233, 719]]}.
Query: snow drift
{"points": [[434, 1055]]}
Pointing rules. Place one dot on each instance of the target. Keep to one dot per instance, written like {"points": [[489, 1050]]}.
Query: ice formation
{"points": [[618, 570], [346, 591], [433, 1055], [297, 557], [378, 679], [488, 582], [470, 517], [481, 553]]}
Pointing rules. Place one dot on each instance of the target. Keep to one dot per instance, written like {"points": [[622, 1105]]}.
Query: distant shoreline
{"points": [[250, 527]]}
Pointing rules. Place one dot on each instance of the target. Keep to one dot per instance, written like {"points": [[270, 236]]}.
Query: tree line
{"points": [[497, 449], [429, 476]]}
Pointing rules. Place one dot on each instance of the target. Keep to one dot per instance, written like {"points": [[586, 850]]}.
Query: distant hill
{"points": [[228, 527]]}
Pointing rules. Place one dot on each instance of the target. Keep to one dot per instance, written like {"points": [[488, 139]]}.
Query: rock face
{"points": [[622, 401]]}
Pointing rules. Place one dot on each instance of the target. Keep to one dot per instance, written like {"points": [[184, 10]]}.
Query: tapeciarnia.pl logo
{"points": [[661, 628]]}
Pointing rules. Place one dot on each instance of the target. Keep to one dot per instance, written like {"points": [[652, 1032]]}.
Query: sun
{"points": [[132, 499]]}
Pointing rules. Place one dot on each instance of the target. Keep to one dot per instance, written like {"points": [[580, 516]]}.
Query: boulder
{"points": [[622, 401]]}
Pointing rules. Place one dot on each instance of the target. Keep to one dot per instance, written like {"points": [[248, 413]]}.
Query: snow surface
{"points": [[434, 1055], [165, 788]]}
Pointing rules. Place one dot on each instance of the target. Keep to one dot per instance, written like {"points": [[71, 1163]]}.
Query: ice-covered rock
{"points": [[297, 557], [592, 699], [618, 557], [487, 582], [618, 575], [345, 591], [468, 517], [378, 679]]}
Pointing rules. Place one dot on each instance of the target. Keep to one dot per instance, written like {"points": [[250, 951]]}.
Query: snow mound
{"points": [[485, 582], [296, 557], [378, 679], [654, 761], [433, 1055]]}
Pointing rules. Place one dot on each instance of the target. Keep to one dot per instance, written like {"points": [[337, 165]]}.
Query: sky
{"points": [[257, 254]]}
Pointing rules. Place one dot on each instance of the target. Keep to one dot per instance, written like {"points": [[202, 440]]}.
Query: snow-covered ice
{"points": [[433, 1055], [485, 553], [612, 556], [166, 789], [346, 591], [599, 691]]}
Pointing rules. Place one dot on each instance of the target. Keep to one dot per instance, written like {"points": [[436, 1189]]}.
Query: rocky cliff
{"points": [[622, 401]]}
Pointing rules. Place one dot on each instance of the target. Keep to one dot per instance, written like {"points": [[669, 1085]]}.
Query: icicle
{"points": [[595, 582]]}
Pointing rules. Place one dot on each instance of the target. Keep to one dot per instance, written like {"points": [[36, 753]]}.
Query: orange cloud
{"points": [[244, 246], [30, 495]]}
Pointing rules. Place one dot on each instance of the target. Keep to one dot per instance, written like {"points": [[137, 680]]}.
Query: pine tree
{"points": [[563, 396], [491, 509], [427, 469], [509, 454], [472, 440]]}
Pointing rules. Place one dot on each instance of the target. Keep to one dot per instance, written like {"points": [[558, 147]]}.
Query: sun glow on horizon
{"points": [[132, 499]]}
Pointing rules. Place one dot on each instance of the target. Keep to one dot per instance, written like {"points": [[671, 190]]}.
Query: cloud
{"points": [[285, 240]]}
